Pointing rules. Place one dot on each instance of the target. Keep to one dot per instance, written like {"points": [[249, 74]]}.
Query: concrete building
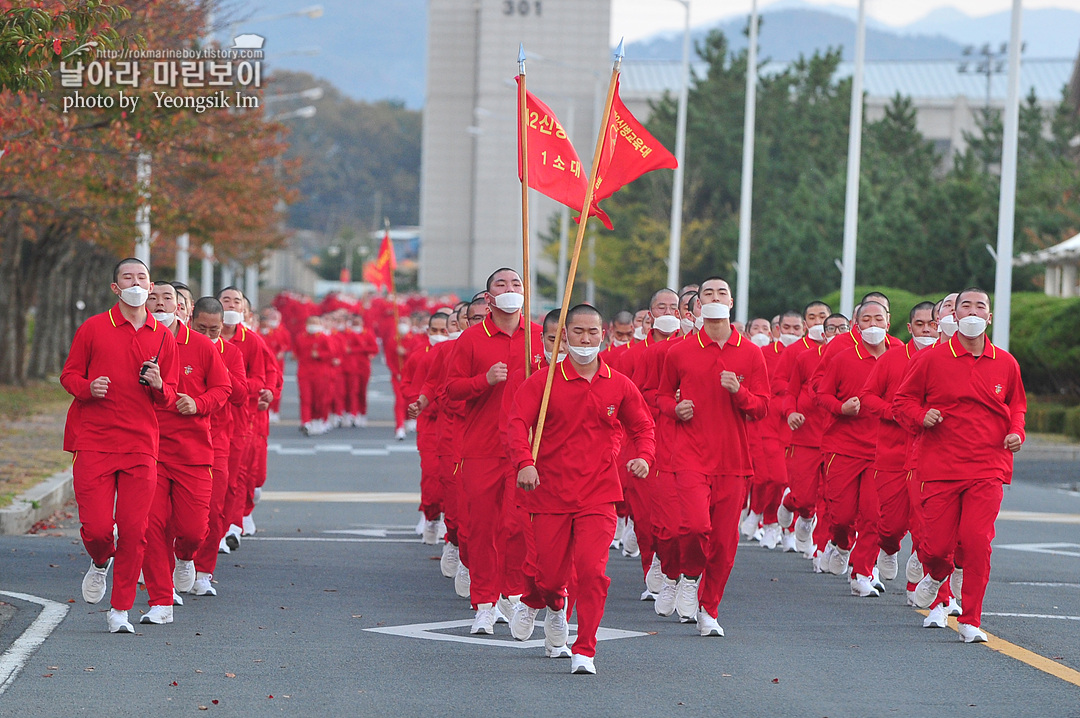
{"points": [[470, 196], [1062, 262]]}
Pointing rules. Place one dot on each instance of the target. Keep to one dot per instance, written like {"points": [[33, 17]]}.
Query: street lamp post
{"points": [[142, 212], [675, 240], [183, 242], [746, 199], [206, 287], [851, 203]]}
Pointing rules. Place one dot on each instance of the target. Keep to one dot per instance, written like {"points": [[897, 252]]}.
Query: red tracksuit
{"points": [[484, 467], [804, 460], [626, 363], [257, 448], [221, 436], [180, 511], [313, 357], [244, 427], [115, 438], [848, 444], [962, 462], [427, 432], [712, 452], [573, 508], [770, 473], [447, 443], [362, 346], [279, 342]]}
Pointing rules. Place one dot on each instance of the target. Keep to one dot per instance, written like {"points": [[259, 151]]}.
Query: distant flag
{"points": [[381, 271], [555, 169]]}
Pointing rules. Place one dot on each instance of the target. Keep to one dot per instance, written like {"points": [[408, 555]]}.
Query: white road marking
{"points": [[1032, 615], [1041, 584], [327, 539], [343, 497], [1039, 517], [1054, 549], [20, 652], [372, 533], [430, 631]]}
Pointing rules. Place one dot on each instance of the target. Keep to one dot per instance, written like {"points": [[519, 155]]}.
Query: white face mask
{"points": [[134, 296], [873, 335], [547, 355], [232, 318], [923, 342], [715, 310], [816, 332], [404, 328], [699, 322], [437, 338], [166, 318], [510, 302], [972, 326], [947, 324], [666, 324], [639, 334], [617, 343], [761, 340], [455, 335], [314, 329], [583, 355], [686, 326], [788, 339]]}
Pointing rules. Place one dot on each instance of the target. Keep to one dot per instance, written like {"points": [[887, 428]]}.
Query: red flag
{"points": [[381, 271], [629, 151], [555, 169]]}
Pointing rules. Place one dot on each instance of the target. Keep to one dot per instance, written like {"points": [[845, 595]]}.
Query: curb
{"points": [[49, 496], [1049, 453]]}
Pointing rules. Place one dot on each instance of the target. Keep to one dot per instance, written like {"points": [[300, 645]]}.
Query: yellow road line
{"points": [[342, 497], [1042, 663], [1039, 516]]}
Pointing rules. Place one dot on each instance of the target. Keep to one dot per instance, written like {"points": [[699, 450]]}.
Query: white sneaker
{"points": [[630, 547], [926, 592], [839, 561], [863, 588], [335, 421], [787, 541], [183, 576], [888, 565], [770, 536], [937, 618], [557, 651], [248, 528], [620, 526], [749, 525], [419, 530], [665, 599], [430, 535], [556, 629], [686, 599], [804, 533], [783, 514], [346, 421], [462, 581], [504, 608], [654, 577], [875, 581], [911, 598], [257, 497], [157, 614], [232, 537], [223, 547], [648, 595], [95, 582], [953, 609], [203, 585], [176, 599], [410, 426], [914, 569], [275, 417], [450, 559], [583, 665], [485, 620], [400, 434], [971, 634], [707, 625], [823, 558], [118, 622], [361, 421], [523, 621], [956, 583]]}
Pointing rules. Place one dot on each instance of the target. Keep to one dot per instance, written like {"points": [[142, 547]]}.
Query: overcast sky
{"points": [[634, 19]]}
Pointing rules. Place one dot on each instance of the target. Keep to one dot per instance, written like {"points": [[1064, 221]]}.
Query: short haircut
{"points": [[877, 297], [206, 305], [228, 288], [178, 286], [623, 317], [658, 292], [865, 304], [837, 315], [551, 317], [694, 299], [713, 278], [790, 313], [816, 303], [491, 278], [920, 307], [581, 310], [125, 261], [437, 315], [687, 297], [481, 302], [972, 290]]}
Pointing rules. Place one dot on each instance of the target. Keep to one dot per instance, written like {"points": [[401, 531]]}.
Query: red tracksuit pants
{"points": [[115, 490], [850, 496], [431, 490], [207, 553], [512, 544], [895, 505], [770, 478], [667, 522], [565, 544], [963, 513], [450, 497], [178, 525], [641, 503], [234, 495], [483, 487], [711, 504], [312, 386], [356, 384], [254, 471], [804, 469]]}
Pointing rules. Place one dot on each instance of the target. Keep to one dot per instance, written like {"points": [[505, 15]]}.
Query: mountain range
{"points": [[376, 50]]}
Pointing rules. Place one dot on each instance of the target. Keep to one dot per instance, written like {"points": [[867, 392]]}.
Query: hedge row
{"points": [[1044, 336]]}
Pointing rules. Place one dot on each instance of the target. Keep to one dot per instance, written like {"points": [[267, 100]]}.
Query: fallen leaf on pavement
{"points": [[230, 675]]}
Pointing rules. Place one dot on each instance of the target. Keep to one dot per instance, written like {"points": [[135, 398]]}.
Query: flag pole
{"points": [[572, 272], [524, 150], [393, 293]]}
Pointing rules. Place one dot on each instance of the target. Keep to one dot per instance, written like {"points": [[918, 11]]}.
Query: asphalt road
{"points": [[336, 556]]}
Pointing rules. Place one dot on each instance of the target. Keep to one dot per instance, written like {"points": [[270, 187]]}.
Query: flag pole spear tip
{"points": [[521, 52], [619, 54]]}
